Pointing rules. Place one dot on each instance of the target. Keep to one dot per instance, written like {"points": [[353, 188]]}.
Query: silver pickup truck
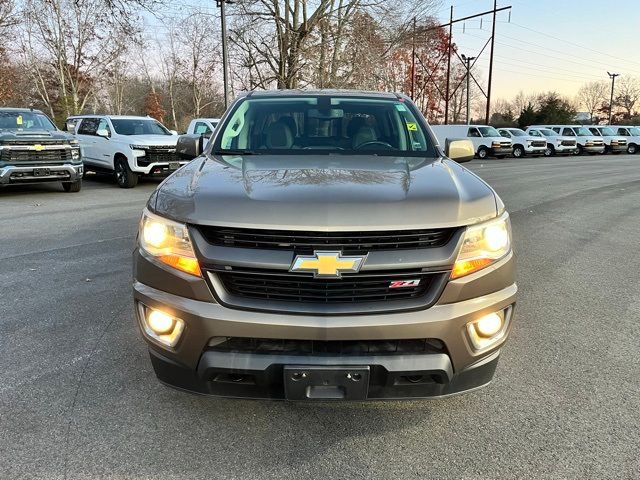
{"points": [[323, 246]]}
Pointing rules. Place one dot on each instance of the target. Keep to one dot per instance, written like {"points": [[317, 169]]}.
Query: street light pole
{"points": [[612, 76], [468, 62], [225, 58]]}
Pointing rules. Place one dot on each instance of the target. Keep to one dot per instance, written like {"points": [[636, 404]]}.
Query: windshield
{"points": [[516, 132], [25, 121], [139, 126], [489, 132], [583, 132], [607, 131], [548, 132], [340, 124], [634, 131]]}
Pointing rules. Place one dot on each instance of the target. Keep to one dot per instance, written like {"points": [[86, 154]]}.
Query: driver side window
{"points": [[568, 132], [89, 126], [473, 132]]}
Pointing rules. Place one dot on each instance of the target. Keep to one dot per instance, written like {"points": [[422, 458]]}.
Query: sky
{"points": [[550, 45], [545, 44]]}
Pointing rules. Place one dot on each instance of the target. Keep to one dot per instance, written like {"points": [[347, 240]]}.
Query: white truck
{"points": [[523, 143], [613, 143], [486, 140], [556, 143], [202, 126], [127, 146], [632, 134], [586, 142]]}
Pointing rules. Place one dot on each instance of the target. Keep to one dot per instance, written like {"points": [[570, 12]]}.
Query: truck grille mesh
{"points": [[17, 156], [346, 242], [299, 287]]}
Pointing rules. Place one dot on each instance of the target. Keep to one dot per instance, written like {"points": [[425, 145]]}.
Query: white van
{"points": [[613, 143], [586, 141], [523, 143], [486, 140], [632, 134], [556, 143]]}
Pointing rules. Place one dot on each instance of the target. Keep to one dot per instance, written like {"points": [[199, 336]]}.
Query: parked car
{"points": [[632, 135], [586, 142], [613, 143], [127, 146], [556, 143], [523, 143], [349, 261], [202, 126], [486, 139], [33, 150]]}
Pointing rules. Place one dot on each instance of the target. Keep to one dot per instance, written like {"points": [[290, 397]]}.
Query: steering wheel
{"points": [[386, 145]]}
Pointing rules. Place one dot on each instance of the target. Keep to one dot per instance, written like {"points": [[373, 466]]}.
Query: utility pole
{"points": [[447, 96], [413, 59], [225, 58], [468, 62], [612, 76], [493, 38]]}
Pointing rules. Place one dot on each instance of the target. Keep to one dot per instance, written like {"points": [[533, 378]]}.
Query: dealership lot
{"points": [[79, 399]]}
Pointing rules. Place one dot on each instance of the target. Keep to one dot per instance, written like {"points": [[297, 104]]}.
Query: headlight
{"points": [[169, 242], [483, 244], [75, 153], [138, 147]]}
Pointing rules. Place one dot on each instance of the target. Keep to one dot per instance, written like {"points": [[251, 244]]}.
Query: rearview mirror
{"points": [[103, 132], [189, 146], [460, 150]]}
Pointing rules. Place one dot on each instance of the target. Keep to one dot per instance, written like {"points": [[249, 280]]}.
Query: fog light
{"points": [[161, 326], [488, 325], [489, 330], [160, 322]]}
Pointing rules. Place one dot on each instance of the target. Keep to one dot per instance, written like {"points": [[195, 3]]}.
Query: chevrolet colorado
{"points": [[324, 247]]}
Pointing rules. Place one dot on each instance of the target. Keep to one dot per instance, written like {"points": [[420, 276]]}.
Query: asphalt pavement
{"points": [[79, 400]]}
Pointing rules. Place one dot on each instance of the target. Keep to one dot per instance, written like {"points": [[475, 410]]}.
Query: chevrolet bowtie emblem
{"points": [[327, 264], [38, 148]]}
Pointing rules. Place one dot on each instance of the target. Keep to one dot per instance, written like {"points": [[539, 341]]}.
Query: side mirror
{"points": [[459, 150], [190, 146], [103, 132], [173, 132]]}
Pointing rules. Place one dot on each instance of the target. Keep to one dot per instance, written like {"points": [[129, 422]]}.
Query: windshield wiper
{"points": [[235, 152]]}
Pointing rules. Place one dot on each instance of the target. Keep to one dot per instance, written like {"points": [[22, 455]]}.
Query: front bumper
{"points": [[535, 150], [618, 148], [495, 151], [565, 149], [24, 174], [158, 168], [193, 365], [594, 149]]}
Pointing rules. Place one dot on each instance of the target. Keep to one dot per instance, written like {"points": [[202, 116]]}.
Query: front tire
{"points": [[482, 153], [632, 148], [124, 176], [549, 151], [72, 187], [578, 151], [518, 151]]}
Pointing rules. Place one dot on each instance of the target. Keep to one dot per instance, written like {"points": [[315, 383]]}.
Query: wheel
{"points": [[72, 186], [632, 148], [578, 150], [483, 152], [124, 176], [518, 151], [549, 151]]}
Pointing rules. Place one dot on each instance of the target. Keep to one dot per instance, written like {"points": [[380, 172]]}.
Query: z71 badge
{"points": [[404, 283]]}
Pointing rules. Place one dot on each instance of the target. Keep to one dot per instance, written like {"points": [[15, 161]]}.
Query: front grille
{"points": [[308, 242], [299, 287], [316, 347], [48, 156], [569, 143], [539, 143], [35, 141]]}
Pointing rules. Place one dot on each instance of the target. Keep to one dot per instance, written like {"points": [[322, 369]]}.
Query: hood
{"points": [[324, 193], [35, 135], [149, 140]]}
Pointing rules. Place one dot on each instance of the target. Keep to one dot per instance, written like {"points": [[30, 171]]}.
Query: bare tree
{"points": [[628, 94], [591, 95]]}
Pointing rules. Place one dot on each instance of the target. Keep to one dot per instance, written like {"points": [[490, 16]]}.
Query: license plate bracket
{"points": [[305, 382], [41, 172]]}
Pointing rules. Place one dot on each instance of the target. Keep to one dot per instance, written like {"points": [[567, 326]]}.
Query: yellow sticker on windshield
{"points": [[19, 120], [412, 127]]}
